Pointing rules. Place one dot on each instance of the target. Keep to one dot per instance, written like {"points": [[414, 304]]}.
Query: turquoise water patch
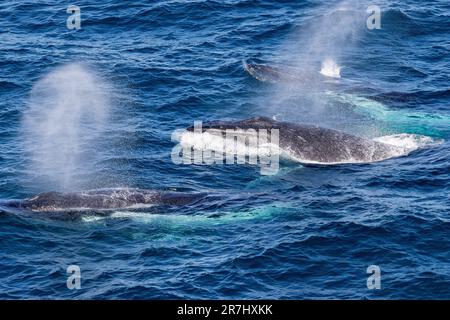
{"points": [[396, 121]]}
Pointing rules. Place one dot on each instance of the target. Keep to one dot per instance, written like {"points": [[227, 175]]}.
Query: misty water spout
{"points": [[66, 114], [315, 52]]}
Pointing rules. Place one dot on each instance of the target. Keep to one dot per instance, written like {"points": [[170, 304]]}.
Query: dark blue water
{"points": [[306, 232]]}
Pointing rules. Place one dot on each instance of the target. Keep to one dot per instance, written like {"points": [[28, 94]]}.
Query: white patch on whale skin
{"points": [[216, 142]]}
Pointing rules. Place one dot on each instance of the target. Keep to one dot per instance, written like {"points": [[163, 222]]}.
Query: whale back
{"points": [[104, 199], [96, 199], [276, 74], [311, 144]]}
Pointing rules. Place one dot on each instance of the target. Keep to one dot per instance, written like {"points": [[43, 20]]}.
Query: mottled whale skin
{"points": [[72, 205], [312, 144], [275, 74]]}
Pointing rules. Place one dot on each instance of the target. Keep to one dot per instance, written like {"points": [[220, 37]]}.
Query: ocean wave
{"points": [[8, 85], [309, 231]]}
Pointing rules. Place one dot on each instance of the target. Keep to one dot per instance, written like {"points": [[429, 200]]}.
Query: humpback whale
{"points": [[274, 74], [306, 79], [310, 144], [72, 205]]}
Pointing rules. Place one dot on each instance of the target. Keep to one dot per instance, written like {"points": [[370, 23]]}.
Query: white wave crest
{"points": [[406, 143], [330, 69], [216, 142]]}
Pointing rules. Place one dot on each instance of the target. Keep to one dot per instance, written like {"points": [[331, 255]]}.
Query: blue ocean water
{"points": [[306, 232]]}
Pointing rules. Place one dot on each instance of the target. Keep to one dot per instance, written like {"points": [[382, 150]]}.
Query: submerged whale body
{"points": [[310, 144], [97, 202], [267, 73], [274, 74]]}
